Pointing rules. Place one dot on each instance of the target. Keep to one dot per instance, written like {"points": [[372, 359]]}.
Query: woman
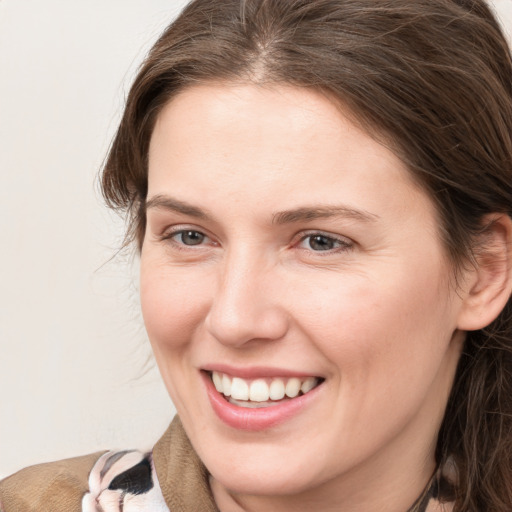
{"points": [[320, 192]]}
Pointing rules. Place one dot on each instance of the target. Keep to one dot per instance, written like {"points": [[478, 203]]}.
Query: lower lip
{"points": [[243, 418]]}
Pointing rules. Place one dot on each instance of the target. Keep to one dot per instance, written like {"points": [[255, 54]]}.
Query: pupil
{"points": [[321, 243], [192, 237]]}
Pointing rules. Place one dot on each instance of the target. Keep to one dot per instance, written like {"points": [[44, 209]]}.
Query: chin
{"points": [[263, 471], [262, 482]]}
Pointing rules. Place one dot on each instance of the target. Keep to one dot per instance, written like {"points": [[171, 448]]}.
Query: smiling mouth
{"points": [[263, 392]]}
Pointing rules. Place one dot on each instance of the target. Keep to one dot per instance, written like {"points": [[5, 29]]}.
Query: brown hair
{"points": [[432, 76]]}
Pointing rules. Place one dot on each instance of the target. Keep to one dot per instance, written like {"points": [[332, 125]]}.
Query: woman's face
{"points": [[287, 249]]}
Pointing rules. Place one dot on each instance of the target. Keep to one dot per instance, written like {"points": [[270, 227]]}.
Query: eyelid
{"points": [[345, 242], [169, 232]]}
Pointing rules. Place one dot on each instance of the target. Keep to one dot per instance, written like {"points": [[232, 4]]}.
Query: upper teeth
{"points": [[261, 390]]}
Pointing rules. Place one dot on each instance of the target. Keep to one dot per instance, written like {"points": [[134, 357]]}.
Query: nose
{"points": [[247, 305]]}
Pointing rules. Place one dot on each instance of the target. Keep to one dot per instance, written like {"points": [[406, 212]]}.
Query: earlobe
{"points": [[490, 283]]}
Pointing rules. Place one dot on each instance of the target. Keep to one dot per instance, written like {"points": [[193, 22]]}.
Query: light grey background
{"points": [[73, 351], [72, 345]]}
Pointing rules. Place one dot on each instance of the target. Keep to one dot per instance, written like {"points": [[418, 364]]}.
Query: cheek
{"points": [[374, 327], [172, 304], [387, 345]]}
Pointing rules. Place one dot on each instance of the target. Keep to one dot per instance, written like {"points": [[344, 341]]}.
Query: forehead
{"points": [[249, 132]]}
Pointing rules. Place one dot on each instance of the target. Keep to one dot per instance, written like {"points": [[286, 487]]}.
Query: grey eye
{"points": [[322, 243], [190, 237]]}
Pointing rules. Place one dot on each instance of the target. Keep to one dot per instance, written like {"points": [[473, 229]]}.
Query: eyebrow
{"points": [[302, 214], [163, 202], [306, 214]]}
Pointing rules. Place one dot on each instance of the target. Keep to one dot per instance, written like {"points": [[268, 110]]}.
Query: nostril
{"points": [[246, 323]]}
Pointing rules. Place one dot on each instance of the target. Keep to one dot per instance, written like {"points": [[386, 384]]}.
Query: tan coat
{"points": [[60, 486]]}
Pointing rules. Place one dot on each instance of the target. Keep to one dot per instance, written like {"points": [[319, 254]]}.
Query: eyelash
{"points": [[342, 244], [181, 230]]}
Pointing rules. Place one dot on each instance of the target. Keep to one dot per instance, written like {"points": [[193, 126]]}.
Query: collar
{"points": [[183, 477]]}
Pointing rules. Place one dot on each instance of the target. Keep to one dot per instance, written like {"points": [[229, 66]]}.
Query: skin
{"points": [[376, 314]]}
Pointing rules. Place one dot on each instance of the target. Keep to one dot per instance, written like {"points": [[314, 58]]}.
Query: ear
{"points": [[489, 282]]}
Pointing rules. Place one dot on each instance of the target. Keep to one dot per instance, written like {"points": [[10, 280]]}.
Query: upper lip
{"points": [[254, 372]]}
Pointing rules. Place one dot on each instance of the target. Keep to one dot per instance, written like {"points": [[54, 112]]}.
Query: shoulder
{"points": [[123, 479], [48, 487]]}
